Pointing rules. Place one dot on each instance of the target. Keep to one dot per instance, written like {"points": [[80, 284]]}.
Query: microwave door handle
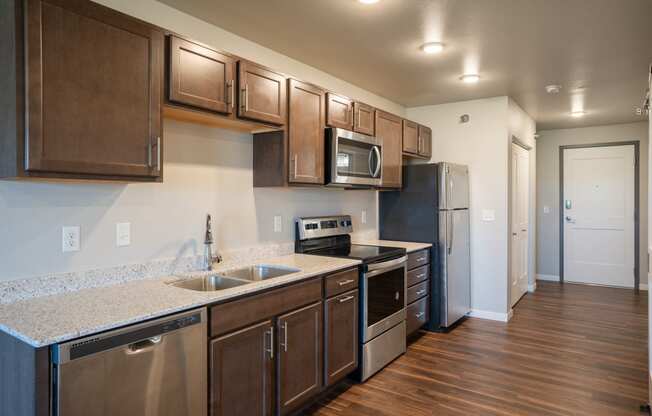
{"points": [[378, 161], [369, 158]]}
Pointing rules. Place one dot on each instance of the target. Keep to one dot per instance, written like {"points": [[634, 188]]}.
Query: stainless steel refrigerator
{"points": [[433, 207]]}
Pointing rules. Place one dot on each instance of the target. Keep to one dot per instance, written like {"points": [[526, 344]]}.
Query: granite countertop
{"points": [[48, 320], [409, 246]]}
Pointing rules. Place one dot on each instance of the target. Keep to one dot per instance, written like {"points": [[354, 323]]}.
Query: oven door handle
{"points": [[386, 266]]}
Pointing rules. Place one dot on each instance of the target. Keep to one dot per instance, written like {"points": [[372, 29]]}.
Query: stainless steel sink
{"points": [[259, 272], [208, 283]]}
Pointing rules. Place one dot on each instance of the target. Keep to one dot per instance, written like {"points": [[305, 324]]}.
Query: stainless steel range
{"points": [[382, 288]]}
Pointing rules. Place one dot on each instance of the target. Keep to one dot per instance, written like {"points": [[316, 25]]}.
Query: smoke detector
{"points": [[553, 89]]}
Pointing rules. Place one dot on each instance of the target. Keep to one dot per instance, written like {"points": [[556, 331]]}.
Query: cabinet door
{"points": [[201, 77], [425, 141], [389, 129], [94, 81], [300, 359], [341, 336], [241, 372], [262, 94], [364, 118], [306, 133], [339, 111], [410, 137]]}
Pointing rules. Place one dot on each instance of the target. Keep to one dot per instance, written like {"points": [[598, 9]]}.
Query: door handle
{"points": [[284, 344], [245, 98], [141, 346], [570, 220], [270, 350], [230, 93]]}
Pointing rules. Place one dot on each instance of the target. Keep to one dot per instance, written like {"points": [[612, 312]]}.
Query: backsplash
{"points": [[207, 170]]}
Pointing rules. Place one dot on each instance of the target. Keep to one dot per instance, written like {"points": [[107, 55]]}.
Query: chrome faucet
{"points": [[209, 258]]}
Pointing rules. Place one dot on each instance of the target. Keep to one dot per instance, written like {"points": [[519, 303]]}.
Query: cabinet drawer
{"points": [[341, 282], [418, 258], [418, 275], [243, 312], [418, 315], [417, 291]]}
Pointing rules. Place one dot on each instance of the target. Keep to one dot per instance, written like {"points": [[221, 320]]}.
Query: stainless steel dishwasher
{"points": [[157, 368]]}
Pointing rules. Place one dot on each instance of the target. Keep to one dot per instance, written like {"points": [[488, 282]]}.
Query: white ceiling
{"points": [[598, 50]]}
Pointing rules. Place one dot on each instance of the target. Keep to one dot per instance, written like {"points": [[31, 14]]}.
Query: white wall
{"points": [[206, 170], [548, 187], [522, 127], [483, 145]]}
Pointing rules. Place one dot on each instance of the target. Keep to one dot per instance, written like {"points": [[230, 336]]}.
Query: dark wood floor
{"points": [[569, 350]]}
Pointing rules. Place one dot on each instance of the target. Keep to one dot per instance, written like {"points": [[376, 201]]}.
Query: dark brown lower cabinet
{"points": [[341, 322], [300, 363], [242, 372]]}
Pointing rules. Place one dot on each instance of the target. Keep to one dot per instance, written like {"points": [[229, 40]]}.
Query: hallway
{"points": [[569, 350]]}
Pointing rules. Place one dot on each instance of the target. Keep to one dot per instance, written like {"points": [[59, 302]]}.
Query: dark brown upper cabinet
{"points": [[364, 118], [425, 141], [201, 77], [242, 372], [300, 360], [339, 111], [341, 336], [92, 99], [410, 137], [306, 133], [262, 94], [389, 129]]}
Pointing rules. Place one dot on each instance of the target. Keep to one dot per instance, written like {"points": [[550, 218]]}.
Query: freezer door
{"points": [[455, 255], [453, 186]]}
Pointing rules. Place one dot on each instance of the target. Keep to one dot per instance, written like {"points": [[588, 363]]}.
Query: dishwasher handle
{"points": [[136, 338]]}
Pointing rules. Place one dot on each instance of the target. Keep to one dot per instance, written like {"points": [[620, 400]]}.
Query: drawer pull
{"points": [[419, 315], [421, 292], [346, 299], [421, 259], [419, 276], [345, 282]]}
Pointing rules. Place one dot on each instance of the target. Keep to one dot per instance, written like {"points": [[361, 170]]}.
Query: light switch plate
{"points": [[278, 224], [123, 234], [546, 209], [488, 215], [71, 239]]}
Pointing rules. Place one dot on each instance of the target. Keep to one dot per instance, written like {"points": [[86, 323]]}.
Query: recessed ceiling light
{"points": [[432, 47], [470, 78], [553, 89], [368, 1], [578, 113]]}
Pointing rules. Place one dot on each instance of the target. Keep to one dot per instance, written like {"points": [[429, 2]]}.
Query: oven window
{"points": [[353, 158], [385, 295]]}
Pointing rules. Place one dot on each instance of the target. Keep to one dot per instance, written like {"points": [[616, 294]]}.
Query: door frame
{"points": [[637, 231], [518, 142]]}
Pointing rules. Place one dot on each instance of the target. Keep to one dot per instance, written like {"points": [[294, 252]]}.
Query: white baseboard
{"points": [[532, 287], [492, 316], [548, 277]]}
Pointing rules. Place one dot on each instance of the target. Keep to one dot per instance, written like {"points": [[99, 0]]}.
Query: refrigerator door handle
{"points": [[450, 231]]}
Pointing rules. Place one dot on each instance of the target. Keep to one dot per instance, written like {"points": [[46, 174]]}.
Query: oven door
{"points": [[356, 159], [383, 297]]}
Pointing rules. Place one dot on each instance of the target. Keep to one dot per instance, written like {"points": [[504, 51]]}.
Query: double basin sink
{"points": [[234, 278]]}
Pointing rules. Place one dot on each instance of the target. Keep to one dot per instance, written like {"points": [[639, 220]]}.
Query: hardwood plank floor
{"points": [[569, 350]]}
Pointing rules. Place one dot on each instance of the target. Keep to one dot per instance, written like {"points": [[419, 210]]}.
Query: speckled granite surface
{"points": [[410, 247], [47, 320]]}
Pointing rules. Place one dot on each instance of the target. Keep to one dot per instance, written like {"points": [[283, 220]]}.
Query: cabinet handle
{"points": [[295, 162], [284, 344], [345, 282], [419, 315], [351, 114], [419, 276], [150, 161], [245, 98], [421, 259], [271, 342], [421, 292], [346, 299], [230, 93]]}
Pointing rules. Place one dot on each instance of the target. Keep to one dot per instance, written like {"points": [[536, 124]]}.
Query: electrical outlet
{"points": [[278, 224], [71, 239], [363, 216], [123, 234], [488, 215]]}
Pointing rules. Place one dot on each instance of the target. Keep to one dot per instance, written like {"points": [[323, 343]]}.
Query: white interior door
{"points": [[520, 206], [598, 201]]}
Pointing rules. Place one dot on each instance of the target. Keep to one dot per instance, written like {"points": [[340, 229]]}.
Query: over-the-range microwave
{"points": [[353, 159]]}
